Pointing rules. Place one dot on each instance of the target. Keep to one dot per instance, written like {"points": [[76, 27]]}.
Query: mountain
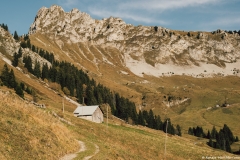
{"points": [[152, 50], [186, 76]]}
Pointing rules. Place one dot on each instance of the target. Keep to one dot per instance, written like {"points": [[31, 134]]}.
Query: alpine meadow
{"points": [[159, 93]]}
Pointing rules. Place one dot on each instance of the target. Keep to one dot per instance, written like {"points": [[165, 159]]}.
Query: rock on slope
{"points": [[153, 50]]}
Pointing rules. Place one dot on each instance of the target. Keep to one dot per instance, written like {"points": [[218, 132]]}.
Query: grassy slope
{"points": [[204, 93], [118, 141], [31, 133], [121, 141]]}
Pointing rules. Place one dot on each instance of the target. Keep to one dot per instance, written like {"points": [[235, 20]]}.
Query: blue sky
{"points": [[188, 15]]}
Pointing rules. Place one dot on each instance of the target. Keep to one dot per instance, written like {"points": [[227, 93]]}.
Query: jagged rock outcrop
{"points": [[8, 46], [7, 43], [152, 50]]}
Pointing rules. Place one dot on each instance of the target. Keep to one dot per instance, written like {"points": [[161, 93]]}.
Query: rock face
{"points": [[8, 46], [7, 43], [153, 50]]}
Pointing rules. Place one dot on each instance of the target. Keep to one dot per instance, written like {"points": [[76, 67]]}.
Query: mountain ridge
{"points": [[158, 49]]}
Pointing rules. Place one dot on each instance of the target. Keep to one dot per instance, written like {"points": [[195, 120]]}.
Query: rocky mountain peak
{"points": [[156, 50]]}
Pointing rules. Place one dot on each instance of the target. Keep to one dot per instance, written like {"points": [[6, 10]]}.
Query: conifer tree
{"points": [[37, 70], [20, 52], [210, 142], [12, 81], [236, 139], [19, 91], [15, 60], [228, 134], [26, 37], [213, 132], [145, 116], [150, 119], [140, 119], [91, 100], [15, 36], [28, 63], [22, 85], [178, 130], [158, 123], [23, 44], [45, 71], [28, 44], [208, 135], [28, 90], [190, 131], [33, 48], [5, 75]]}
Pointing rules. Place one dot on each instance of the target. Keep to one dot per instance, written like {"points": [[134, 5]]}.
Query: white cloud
{"points": [[143, 11], [68, 3], [126, 15], [163, 5], [228, 23]]}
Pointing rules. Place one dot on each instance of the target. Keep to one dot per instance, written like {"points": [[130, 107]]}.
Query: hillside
{"points": [[31, 133], [149, 62], [45, 137], [185, 76]]}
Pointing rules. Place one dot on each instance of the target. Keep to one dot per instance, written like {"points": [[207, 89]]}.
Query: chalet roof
{"points": [[85, 110]]}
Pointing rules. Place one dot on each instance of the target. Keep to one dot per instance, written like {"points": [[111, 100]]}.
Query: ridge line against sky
{"points": [[188, 15]]}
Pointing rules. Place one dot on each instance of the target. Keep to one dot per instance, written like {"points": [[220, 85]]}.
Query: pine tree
{"points": [[208, 135], [145, 116], [5, 75], [19, 91], [228, 134], [5, 27], [178, 130], [28, 63], [228, 147], [20, 52], [28, 90], [167, 124], [91, 100], [236, 139], [33, 48], [26, 37], [37, 70], [12, 81], [23, 44], [210, 142], [45, 71], [22, 85], [150, 119], [28, 44], [158, 123], [140, 119], [15, 60], [16, 36], [190, 131], [213, 132]]}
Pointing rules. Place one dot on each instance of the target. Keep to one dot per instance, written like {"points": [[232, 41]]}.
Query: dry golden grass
{"points": [[204, 93], [122, 141], [28, 132]]}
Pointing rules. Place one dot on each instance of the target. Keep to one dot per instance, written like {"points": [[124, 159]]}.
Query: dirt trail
{"points": [[74, 155], [96, 151]]}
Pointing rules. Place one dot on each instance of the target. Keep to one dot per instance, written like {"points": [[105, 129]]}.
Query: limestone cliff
{"points": [[152, 50]]}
